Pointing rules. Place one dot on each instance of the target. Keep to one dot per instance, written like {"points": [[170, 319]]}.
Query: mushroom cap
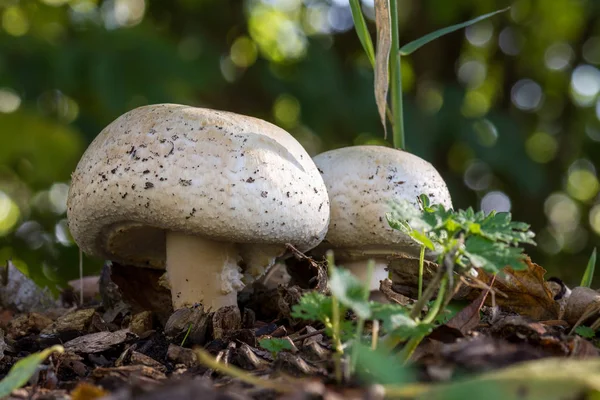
{"points": [[198, 171], [362, 181]]}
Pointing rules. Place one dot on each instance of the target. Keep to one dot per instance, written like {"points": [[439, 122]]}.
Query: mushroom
{"points": [[361, 182], [212, 197]]}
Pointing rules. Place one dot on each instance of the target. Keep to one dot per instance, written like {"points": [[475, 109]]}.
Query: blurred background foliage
{"points": [[507, 110]]}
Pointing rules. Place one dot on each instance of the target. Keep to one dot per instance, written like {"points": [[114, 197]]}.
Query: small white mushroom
{"points": [[361, 182], [206, 194]]}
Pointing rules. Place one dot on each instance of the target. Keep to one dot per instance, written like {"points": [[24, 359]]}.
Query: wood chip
{"points": [[99, 342]]}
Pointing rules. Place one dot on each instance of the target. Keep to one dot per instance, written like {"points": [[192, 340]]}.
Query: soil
{"points": [[128, 344]]}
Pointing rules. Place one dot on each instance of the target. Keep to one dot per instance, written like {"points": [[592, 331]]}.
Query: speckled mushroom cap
{"points": [[361, 182], [197, 171]]}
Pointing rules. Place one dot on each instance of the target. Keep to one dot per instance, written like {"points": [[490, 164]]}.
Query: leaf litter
{"points": [[515, 341]]}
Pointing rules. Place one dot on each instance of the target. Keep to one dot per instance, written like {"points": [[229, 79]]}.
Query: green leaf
{"points": [[422, 239], [585, 331], [492, 256], [588, 275], [378, 366], [499, 227], [275, 345], [395, 319], [418, 43], [313, 306], [548, 378], [362, 31], [424, 201], [24, 369], [350, 292], [489, 240]]}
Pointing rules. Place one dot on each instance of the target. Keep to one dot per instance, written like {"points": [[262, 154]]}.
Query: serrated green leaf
{"points": [[492, 256], [313, 306], [275, 345], [418, 43], [350, 292], [585, 331], [588, 275], [490, 240], [24, 369], [362, 31]]}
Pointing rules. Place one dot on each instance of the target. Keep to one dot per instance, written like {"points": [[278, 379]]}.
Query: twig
{"points": [[374, 334], [307, 335]]}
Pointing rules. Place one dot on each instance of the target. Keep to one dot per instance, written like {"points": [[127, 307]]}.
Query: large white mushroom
{"points": [[211, 196], [362, 181]]}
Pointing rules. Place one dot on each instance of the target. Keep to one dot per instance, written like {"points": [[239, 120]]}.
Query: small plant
{"points": [[275, 345], [585, 331], [386, 58], [462, 240], [350, 294]]}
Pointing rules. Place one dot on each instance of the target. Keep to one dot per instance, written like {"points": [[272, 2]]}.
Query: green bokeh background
{"points": [[506, 110]]}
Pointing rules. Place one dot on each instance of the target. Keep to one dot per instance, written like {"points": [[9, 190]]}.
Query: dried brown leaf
{"points": [[468, 318], [527, 293], [382, 57]]}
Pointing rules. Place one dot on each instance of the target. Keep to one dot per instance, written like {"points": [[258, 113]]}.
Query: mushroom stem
{"points": [[202, 271], [359, 269]]}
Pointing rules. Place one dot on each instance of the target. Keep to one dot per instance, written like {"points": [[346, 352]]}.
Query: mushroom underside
{"points": [[200, 270]]}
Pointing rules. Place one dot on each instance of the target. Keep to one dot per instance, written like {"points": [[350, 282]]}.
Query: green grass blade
{"points": [[396, 80], [361, 30], [588, 275], [418, 43], [24, 369]]}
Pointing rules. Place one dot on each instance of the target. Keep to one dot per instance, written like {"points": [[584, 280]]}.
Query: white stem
{"points": [[202, 271], [359, 269]]}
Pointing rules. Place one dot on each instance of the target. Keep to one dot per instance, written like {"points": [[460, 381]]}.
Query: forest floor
{"points": [[119, 348]]}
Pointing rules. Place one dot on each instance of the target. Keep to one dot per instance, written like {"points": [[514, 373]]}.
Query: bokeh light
{"points": [[486, 131], [582, 183], [510, 41], [585, 84], [243, 52], [15, 21], [558, 56], [123, 13], [472, 73], [476, 104], [9, 214], [278, 37], [495, 201], [9, 100], [478, 176], [562, 212], [541, 147], [286, 111], [527, 95], [480, 34]]}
